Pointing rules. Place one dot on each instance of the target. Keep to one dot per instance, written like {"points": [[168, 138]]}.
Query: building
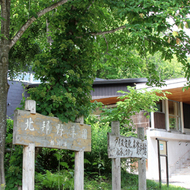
{"points": [[170, 123], [104, 90]]}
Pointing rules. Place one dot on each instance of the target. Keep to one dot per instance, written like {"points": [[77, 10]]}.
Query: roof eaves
{"points": [[119, 81]]}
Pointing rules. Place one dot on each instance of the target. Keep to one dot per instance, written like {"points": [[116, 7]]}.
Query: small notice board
{"points": [[162, 147], [126, 147]]}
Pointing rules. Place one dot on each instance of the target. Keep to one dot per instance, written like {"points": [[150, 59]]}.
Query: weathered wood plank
{"points": [[79, 170], [79, 165], [28, 168], [141, 163], [126, 147], [31, 106], [116, 163], [116, 173], [50, 132]]}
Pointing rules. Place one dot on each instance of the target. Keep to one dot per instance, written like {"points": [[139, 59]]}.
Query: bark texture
{"points": [[4, 52], [3, 108]]}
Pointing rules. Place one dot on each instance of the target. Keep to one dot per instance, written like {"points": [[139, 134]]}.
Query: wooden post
{"points": [[152, 120], [79, 165], [31, 106], [29, 156], [141, 163], [28, 167], [167, 116], [182, 118], [116, 168]]}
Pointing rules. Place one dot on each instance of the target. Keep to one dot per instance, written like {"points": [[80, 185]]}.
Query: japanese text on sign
{"points": [[126, 147], [50, 132]]}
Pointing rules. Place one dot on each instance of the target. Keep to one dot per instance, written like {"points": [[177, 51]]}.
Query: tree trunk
{"points": [[4, 56], [3, 106]]}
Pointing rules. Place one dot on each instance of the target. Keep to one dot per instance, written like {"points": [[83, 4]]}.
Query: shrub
{"points": [[13, 160], [55, 181], [97, 162]]}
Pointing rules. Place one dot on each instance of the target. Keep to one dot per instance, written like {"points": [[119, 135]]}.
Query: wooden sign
{"points": [[126, 147], [50, 132]]}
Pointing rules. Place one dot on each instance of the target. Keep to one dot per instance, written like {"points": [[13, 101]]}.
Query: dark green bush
{"points": [[97, 162], [13, 160]]}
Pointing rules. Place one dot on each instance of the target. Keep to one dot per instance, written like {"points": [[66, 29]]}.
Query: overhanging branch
{"points": [[104, 32], [32, 19], [107, 32]]}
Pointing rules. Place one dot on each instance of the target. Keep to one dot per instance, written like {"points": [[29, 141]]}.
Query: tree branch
{"points": [[32, 19], [107, 32]]}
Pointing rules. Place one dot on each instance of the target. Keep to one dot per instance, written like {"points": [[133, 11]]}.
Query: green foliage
{"points": [[54, 160], [66, 71], [21, 55], [131, 52], [96, 184], [13, 160], [62, 180], [97, 161], [128, 182], [134, 101], [67, 67], [141, 67]]}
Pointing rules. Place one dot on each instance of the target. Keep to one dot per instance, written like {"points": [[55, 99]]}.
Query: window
{"points": [[174, 115], [159, 106]]}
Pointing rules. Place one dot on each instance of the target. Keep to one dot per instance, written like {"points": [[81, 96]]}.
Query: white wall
{"points": [[178, 147]]}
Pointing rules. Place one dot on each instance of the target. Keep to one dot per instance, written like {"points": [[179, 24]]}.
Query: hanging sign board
{"points": [[50, 132], [126, 147]]}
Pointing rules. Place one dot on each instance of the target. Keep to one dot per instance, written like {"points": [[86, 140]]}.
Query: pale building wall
{"points": [[178, 149]]}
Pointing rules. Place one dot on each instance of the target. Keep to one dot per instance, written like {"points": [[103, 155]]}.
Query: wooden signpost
{"points": [[142, 162], [116, 167], [50, 132], [36, 130], [127, 147]]}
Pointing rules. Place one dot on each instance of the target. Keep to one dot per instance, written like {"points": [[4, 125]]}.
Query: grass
{"points": [[51, 181], [128, 182]]}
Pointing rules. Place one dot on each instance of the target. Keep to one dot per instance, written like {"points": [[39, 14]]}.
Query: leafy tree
{"points": [[165, 69], [131, 103], [16, 17], [116, 27], [66, 68]]}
